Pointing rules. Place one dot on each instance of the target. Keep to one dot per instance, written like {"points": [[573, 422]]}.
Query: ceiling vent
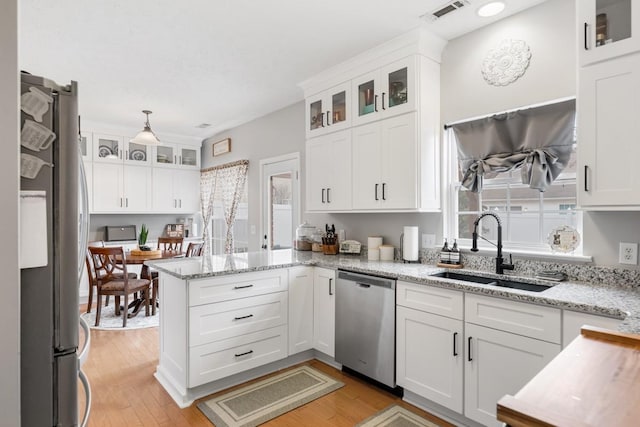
{"points": [[203, 125], [445, 9]]}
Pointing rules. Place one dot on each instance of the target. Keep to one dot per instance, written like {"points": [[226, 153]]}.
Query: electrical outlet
{"points": [[428, 240], [628, 253], [253, 229]]}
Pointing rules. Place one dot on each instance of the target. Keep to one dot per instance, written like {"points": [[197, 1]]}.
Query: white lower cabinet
{"points": [[476, 355], [429, 356], [324, 310], [573, 321], [300, 309]]}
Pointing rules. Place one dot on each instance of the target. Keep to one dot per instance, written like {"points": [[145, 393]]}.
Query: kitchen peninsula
{"points": [[228, 319]]}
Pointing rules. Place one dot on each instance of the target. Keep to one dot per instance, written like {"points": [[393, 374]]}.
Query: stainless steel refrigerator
{"points": [[54, 222]]}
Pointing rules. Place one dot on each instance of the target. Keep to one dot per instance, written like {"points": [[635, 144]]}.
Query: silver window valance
{"points": [[537, 140]]}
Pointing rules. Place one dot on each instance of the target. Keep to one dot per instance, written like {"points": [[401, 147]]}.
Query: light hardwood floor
{"points": [[120, 369]]}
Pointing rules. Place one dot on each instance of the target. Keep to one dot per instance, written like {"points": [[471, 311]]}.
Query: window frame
{"points": [[452, 212]]}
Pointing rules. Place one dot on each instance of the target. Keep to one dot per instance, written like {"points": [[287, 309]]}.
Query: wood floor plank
{"points": [[120, 369]]}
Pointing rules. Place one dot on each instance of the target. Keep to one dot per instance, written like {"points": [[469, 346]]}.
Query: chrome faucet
{"points": [[500, 265]]}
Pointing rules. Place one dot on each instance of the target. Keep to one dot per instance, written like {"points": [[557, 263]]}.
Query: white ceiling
{"points": [[223, 62]]}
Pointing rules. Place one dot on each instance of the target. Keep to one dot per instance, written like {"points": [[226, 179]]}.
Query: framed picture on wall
{"points": [[221, 147]]}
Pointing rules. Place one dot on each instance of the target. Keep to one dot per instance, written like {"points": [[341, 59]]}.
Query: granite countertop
{"points": [[613, 301]]}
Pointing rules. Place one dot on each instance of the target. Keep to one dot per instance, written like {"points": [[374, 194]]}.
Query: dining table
{"points": [[139, 258]]}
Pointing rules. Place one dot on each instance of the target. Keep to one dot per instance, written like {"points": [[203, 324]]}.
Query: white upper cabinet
{"points": [[608, 130], [118, 149], [121, 188], [175, 190], [176, 155], [328, 170], [385, 92], [86, 146], [607, 29], [329, 111]]}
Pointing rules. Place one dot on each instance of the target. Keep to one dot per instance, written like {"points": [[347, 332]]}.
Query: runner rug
{"points": [[396, 416], [262, 401]]}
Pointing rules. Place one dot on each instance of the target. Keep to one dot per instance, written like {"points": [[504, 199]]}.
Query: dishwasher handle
{"points": [[365, 279]]}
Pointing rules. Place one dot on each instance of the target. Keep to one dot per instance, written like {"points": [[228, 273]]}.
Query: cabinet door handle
{"points": [[328, 116], [377, 192], [243, 317], [321, 119], [383, 101], [383, 185], [245, 353], [323, 196], [375, 103], [243, 287], [126, 154], [120, 201], [586, 36], [586, 171], [175, 159], [330, 282], [455, 338], [328, 195], [180, 203], [126, 202], [469, 358]]}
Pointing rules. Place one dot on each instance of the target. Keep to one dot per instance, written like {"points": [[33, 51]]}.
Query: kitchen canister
{"points": [[386, 252], [373, 254], [410, 243], [374, 242]]}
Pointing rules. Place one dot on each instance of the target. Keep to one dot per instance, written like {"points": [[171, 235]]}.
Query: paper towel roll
{"points": [[373, 254], [386, 252], [374, 242], [410, 243]]}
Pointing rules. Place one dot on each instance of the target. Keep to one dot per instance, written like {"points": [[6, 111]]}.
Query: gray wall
{"points": [[549, 30], [278, 133], [9, 186], [155, 223]]}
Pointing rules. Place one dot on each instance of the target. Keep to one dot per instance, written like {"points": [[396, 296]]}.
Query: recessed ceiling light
{"points": [[491, 9]]}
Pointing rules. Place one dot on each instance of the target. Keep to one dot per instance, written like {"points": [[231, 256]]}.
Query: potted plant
{"points": [[142, 238]]}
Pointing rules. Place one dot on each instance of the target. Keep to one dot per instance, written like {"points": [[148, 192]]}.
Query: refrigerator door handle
{"points": [[84, 222], [84, 353], [87, 393]]}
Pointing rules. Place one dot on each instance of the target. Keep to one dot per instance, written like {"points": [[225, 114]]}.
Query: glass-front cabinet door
{"points": [[189, 156], [329, 110], [107, 148], [388, 91], [165, 155], [137, 154], [86, 146], [607, 28]]}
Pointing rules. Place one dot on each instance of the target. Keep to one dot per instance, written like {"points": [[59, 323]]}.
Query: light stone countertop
{"points": [[621, 302]]}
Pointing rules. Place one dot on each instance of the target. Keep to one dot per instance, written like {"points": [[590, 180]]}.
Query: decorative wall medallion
{"points": [[506, 63]]}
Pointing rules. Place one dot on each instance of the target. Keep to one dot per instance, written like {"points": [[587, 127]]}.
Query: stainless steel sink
{"points": [[490, 281]]}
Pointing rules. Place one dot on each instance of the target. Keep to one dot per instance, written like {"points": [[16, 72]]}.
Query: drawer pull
{"points": [[243, 317], [243, 287], [245, 353], [455, 350]]}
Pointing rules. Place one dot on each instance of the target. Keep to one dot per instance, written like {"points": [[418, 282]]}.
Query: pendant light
{"points": [[146, 135]]}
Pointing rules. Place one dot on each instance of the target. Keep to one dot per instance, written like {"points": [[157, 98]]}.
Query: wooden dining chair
{"points": [[111, 268], [93, 278], [170, 243], [194, 249]]}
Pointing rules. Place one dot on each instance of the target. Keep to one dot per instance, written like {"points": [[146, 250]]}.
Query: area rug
{"points": [[396, 416], [262, 401], [109, 320]]}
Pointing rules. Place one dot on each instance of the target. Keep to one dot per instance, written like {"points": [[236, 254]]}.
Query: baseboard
{"points": [[438, 410]]}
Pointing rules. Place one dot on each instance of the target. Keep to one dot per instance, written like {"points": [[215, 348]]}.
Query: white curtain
{"points": [[227, 182]]}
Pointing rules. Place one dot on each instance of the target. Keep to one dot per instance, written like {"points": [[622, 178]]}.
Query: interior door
{"points": [[280, 200]]}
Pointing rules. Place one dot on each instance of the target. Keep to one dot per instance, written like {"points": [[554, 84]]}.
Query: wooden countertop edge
{"points": [[517, 413], [613, 337]]}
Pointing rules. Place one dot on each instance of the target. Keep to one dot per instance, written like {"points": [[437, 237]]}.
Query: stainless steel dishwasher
{"points": [[366, 325]]}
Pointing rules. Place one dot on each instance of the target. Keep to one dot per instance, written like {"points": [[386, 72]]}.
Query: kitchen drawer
{"points": [[234, 286], [445, 302], [217, 360], [517, 317], [214, 322]]}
